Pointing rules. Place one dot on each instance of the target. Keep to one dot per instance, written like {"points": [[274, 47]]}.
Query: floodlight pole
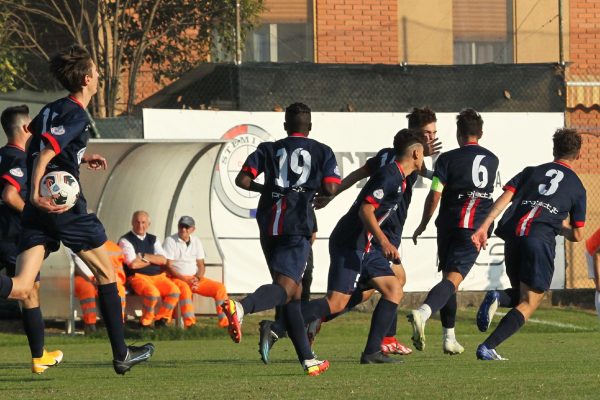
{"points": [[238, 34]]}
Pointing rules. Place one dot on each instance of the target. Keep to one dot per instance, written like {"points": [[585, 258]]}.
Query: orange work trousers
{"points": [[205, 287], [87, 292], [153, 288]]}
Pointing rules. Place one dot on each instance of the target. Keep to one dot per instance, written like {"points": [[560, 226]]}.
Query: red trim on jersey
{"points": [[472, 216], [463, 211], [472, 143], [333, 179], [16, 146], [283, 208], [579, 224], [529, 222], [52, 141], [272, 222], [12, 181], [403, 176], [298, 134], [250, 170], [537, 214], [509, 188], [371, 200], [72, 98], [564, 164]]}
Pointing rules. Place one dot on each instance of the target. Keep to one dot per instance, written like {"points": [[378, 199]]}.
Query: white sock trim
{"points": [[425, 311]]}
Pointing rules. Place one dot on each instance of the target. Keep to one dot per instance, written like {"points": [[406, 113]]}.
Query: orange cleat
{"points": [[315, 367], [391, 345], [230, 308]]}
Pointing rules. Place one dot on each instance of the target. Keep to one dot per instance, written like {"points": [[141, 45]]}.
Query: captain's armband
{"points": [[437, 185]]}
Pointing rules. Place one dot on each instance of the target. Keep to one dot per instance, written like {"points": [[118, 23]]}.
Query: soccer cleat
{"points": [[487, 309], [315, 367], [47, 360], [378, 358], [231, 308], [487, 354], [391, 345], [312, 330], [267, 340], [452, 347], [223, 323], [418, 327], [135, 355]]}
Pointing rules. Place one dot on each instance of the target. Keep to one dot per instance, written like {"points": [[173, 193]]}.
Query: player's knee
{"points": [[337, 303]]}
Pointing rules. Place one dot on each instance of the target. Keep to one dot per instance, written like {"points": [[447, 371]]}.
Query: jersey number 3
{"points": [[548, 189], [293, 163]]}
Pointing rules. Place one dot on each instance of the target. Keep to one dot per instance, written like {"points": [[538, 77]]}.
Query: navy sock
{"points": [[264, 298], [33, 323], [315, 309], [6, 286], [392, 329], [380, 323], [329, 317], [438, 296], [355, 299], [278, 327], [448, 312], [294, 324], [509, 298], [110, 307], [508, 326]]}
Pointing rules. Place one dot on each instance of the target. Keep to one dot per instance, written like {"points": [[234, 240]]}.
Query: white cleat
{"points": [[452, 347], [418, 327]]}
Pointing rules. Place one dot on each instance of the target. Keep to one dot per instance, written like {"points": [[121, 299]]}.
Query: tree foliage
{"points": [[11, 66], [166, 37]]}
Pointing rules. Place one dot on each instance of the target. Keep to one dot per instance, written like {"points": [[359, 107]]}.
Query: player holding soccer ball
{"points": [[60, 135]]}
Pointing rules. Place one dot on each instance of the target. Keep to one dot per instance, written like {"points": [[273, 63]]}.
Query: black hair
{"points": [[567, 143], [297, 118], [70, 67], [419, 117], [10, 118], [406, 138], [469, 123]]}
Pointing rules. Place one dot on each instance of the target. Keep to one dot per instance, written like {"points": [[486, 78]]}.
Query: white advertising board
{"points": [[518, 139]]}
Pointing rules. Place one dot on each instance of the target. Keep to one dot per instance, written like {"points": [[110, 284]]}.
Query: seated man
{"points": [[144, 259], [86, 287], [185, 265]]}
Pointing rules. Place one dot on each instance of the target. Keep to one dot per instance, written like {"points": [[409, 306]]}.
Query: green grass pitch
{"points": [[557, 356]]}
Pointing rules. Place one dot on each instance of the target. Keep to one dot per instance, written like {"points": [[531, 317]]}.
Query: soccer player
{"points": [[593, 258], [463, 179], [421, 119], [13, 171], [547, 200], [60, 134], [294, 169]]}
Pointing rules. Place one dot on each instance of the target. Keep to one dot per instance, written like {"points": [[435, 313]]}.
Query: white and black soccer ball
{"points": [[61, 186]]}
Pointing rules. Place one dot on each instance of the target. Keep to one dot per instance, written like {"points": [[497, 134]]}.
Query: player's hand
{"points": [[96, 162], [321, 201], [390, 252], [432, 147], [420, 229], [479, 239], [46, 204]]}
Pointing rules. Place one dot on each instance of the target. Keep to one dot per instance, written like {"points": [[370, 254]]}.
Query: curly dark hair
{"points": [[297, 118], [70, 67], [419, 117], [567, 143]]}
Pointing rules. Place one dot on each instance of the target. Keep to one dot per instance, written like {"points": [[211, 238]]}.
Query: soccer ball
{"points": [[61, 186]]}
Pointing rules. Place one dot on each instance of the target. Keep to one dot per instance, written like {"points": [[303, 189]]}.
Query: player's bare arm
{"points": [[321, 200], [11, 196], [245, 181], [39, 168], [480, 236], [431, 203], [367, 215], [94, 161]]}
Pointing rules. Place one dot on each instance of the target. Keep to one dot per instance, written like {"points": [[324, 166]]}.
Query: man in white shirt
{"points": [[144, 262], [185, 266]]}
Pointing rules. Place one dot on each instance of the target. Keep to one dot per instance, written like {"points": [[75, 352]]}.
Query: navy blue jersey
{"points": [[63, 125], [294, 169], [544, 196], [468, 174], [384, 157], [12, 172], [385, 190]]}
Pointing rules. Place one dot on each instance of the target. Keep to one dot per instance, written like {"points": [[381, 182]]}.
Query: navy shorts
{"points": [[456, 251], [375, 265], [8, 256], [344, 268], [531, 261], [77, 231], [286, 255]]}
